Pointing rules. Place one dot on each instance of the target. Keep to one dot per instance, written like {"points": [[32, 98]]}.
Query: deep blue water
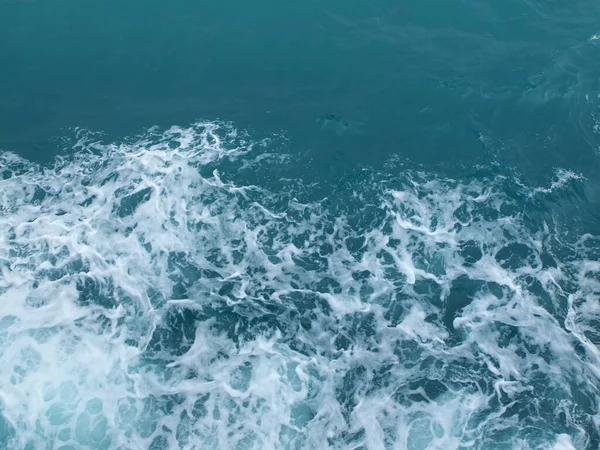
{"points": [[324, 224]]}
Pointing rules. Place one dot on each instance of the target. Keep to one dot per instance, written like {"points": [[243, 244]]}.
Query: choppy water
{"points": [[392, 240]]}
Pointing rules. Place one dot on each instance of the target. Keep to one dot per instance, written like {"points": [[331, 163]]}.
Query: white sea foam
{"points": [[149, 299], [562, 178]]}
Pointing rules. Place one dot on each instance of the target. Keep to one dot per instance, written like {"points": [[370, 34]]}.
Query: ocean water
{"points": [[360, 224]]}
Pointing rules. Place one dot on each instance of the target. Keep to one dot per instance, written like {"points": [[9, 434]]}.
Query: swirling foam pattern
{"points": [[155, 294]]}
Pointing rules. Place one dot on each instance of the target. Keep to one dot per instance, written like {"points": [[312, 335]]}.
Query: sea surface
{"points": [[321, 224]]}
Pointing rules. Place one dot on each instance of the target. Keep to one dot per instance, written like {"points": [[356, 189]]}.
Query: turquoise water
{"points": [[327, 224]]}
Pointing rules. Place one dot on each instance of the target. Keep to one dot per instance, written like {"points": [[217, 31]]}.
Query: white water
{"points": [[150, 300]]}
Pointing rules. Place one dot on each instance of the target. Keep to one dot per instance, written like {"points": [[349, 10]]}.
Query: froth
{"points": [[151, 297]]}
